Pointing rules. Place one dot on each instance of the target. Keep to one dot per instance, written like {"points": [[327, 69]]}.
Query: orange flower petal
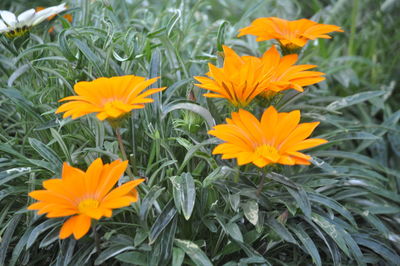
{"points": [[289, 33], [85, 195], [109, 98], [275, 139]]}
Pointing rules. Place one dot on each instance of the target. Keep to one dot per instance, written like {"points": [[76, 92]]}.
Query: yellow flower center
{"points": [[268, 94], [16, 32], [116, 108], [87, 205], [268, 152]]}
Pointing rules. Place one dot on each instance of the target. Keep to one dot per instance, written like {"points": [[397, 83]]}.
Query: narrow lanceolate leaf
{"points": [[40, 229], [203, 112], [148, 201], [302, 200], [162, 221], [378, 247], [7, 236], [184, 192], [155, 71], [47, 153], [188, 195], [281, 230], [194, 252], [133, 257], [308, 243], [354, 99], [332, 230]]}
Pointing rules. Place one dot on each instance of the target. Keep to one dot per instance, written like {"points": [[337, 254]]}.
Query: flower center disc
{"points": [[88, 205], [17, 32], [268, 152], [116, 108]]}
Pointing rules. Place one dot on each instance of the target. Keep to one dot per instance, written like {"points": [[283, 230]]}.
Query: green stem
{"points": [[123, 152], [261, 184], [96, 237], [354, 17]]}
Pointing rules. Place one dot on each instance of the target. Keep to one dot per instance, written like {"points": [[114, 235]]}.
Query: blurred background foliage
{"points": [[196, 209]]}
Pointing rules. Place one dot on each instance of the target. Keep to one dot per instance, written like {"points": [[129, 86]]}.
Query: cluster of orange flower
{"points": [[275, 138], [278, 137]]}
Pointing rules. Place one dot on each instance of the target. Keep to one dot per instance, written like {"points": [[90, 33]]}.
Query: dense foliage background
{"points": [[196, 209]]}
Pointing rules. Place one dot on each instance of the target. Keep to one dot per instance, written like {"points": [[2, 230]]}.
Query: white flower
{"points": [[13, 26]]}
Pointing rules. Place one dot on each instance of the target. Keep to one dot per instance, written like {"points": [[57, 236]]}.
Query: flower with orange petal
{"points": [[111, 98], [239, 81], [276, 138], [242, 78], [85, 195], [285, 75], [290, 34]]}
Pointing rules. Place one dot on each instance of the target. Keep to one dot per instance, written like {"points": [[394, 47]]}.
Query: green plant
{"points": [[194, 207]]}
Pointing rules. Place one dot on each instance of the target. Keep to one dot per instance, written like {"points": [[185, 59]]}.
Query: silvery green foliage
{"points": [[196, 209]]}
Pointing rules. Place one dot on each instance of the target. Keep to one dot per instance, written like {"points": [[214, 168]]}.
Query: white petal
{"points": [[8, 17], [3, 26], [25, 17], [47, 12]]}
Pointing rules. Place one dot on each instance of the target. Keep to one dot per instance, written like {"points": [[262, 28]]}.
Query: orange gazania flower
{"points": [[239, 81], [85, 195], [110, 98], [285, 75], [277, 138], [244, 77], [291, 34]]}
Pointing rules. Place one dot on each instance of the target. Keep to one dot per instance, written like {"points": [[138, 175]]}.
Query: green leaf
{"points": [[234, 231], [7, 236], [148, 201], [306, 240], [281, 230], [194, 252], [184, 192], [133, 257], [11, 174], [48, 154], [191, 107], [40, 229], [354, 99], [250, 209], [386, 252], [162, 221], [332, 231], [302, 200], [331, 203], [221, 35], [178, 255], [16, 74], [221, 172], [90, 55], [111, 252]]}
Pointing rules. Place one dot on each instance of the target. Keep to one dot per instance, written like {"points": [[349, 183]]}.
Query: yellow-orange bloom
{"points": [[110, 98], [291, 34], [285, 75], [276, 138], [239, 81], [242, 78], [85, 195]]}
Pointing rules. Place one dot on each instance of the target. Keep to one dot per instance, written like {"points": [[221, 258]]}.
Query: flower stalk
{"points": [[96, 237], [123, 152], [263, 174]]}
